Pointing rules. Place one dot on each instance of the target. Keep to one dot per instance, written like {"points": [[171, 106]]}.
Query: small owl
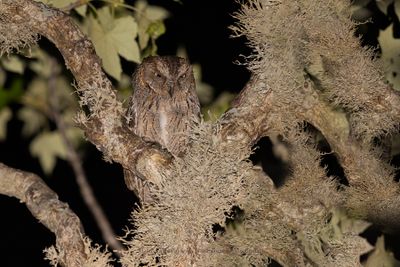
{"points": [[163, 106]]}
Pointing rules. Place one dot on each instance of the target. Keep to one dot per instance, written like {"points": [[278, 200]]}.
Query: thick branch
{"points": [[248, 119], [44, 205], [104, 124], [373, 193]]}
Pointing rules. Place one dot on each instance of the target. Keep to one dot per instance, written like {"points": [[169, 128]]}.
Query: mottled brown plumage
{"points": [[163, 106]]}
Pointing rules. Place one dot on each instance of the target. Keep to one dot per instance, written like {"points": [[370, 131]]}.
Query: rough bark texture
{"points": [[44, 205], [307, 67]]}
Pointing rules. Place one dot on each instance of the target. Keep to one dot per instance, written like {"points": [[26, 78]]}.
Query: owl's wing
{"points": [[138, 186]]}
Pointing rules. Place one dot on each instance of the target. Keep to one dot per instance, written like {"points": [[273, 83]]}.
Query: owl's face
{"points": [[166, 76]]}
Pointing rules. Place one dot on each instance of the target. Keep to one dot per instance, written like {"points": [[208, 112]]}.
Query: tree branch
{"points": [[44, 205], [248, 119], [73, 158], [373, 192]]}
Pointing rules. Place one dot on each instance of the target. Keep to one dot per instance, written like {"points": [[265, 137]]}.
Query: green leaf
{"points": [[381, 257], [113, 37], [341, 223], [205, 91], [5, 116], [146, 14], [105, 49], [154, 12], [32, 120], [218, 107], [390, 55], [105, 18], [47, 146], [81, 10], [123, 35], [13, 63], [74, 134], [13, 94], [359, 10], [36, 95], [41, 64], [156, 29]]}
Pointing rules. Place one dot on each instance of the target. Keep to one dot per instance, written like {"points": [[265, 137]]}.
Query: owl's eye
{"points": [[182, 77], [157, 75]]}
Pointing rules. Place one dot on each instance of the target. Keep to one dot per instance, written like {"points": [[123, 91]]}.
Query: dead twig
{"points": [[80, 176]]}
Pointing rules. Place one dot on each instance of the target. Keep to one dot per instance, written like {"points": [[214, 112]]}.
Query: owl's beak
{"points": [[171, 86]]}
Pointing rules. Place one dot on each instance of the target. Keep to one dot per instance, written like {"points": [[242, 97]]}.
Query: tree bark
{"points": [[45, 206]]}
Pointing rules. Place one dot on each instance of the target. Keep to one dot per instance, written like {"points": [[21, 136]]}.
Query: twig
{"points": [[75, 162], [44, 205]]}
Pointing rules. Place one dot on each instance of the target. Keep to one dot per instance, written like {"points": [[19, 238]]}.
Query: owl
{"points": [[162, 108]]}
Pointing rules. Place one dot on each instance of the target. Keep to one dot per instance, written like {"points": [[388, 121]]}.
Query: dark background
{"points": [[202, 28]]}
